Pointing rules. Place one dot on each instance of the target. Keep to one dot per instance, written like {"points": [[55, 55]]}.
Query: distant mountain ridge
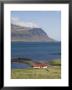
{"points": [[28, 34]]}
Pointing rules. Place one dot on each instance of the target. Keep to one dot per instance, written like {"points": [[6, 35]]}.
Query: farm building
{"points": [[36, 65]]}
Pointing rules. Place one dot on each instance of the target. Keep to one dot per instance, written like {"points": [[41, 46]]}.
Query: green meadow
{"points": [[52, 72]]}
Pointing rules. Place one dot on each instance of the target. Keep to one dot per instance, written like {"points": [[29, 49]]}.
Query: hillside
{"points": [[28, 34]]}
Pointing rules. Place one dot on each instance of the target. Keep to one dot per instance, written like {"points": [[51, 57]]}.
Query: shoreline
{"points": [[28, 63]]}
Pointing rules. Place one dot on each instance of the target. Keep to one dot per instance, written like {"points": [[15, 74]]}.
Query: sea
{"points": [[37, 51]]}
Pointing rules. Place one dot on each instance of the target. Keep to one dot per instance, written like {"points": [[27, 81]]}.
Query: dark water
{"points": [[36, 51], [19, 65]]}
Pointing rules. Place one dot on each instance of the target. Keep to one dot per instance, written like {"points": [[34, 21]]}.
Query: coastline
{"points": [[53, 71]]}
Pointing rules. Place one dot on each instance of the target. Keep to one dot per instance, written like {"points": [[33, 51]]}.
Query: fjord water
{"points": [[42, 51]]}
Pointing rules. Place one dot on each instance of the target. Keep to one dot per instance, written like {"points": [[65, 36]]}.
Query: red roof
{"points": [[39, 65]]}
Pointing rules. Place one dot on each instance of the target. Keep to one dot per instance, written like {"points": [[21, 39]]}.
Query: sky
{"points": [[49, 21]]}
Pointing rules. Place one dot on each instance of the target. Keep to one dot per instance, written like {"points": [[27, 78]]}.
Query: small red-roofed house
{"points": [[36, 65]]}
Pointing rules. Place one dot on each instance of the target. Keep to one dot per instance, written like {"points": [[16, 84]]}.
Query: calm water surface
{"points": [[35, 51]]}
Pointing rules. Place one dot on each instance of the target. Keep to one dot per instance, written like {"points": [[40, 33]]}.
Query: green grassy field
{"points": [[52, 72]]}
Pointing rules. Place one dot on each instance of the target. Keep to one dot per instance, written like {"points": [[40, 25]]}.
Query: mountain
{"points": [[28, 34]]}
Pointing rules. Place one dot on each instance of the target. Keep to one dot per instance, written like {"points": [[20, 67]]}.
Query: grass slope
{"points": [[52, 72]]}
